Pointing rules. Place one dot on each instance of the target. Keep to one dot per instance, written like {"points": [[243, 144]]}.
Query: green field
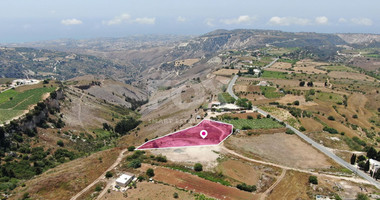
{"points": [[13, 103], [331, 97], [270, 92], [273, 74], [225, 98], [340, 68], [264, 123], [9, 114]]}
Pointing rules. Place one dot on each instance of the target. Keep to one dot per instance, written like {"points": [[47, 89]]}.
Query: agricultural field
{"points": [[246, 124], [287, 150], [13, 103], [329, 97], [225, 98], [273, 74], [340, 68], [271, 92]]}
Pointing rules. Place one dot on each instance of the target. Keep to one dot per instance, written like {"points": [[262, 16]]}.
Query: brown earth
{"points": [[228, 72], [199, 185], [350, 75], [287, 150], [311, 125], [293, 186], [148, 191], [66, 180]]}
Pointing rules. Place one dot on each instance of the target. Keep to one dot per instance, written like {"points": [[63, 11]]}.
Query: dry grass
{"points": [[350, 75], [149, 190], [188, 62], [228, 72], [293, 186], [68, 179], [288, 150]]}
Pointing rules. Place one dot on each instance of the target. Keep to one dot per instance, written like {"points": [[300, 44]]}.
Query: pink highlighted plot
{"points": [[207, 132]]}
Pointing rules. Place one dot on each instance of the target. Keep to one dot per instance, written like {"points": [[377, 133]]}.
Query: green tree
{"points": [[175, 195], [198, 167], [125, 125], [353, 159], [150, 172], [366, 166], [372, 153]]}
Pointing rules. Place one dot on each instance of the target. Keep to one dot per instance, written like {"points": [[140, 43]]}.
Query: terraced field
{"points": [[264, 123], [14, 103]]}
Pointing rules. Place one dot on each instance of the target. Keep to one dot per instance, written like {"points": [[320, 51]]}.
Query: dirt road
{"points": [[117, 162], [269, 190]]}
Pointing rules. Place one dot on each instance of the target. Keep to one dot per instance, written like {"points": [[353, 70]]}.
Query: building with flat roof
{"points": [[124, 179]]}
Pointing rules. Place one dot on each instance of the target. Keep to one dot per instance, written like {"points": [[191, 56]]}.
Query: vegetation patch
{"points": [[270, 92], [274, 74], [225, 98], [246, 124]]}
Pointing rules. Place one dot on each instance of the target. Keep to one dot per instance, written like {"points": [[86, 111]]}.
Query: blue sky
{"points": [[35, 20]]}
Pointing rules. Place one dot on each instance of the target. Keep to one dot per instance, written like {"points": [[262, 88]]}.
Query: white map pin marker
{"points": [[203, 134]]}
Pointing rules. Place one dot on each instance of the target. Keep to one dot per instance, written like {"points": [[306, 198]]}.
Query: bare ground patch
{"points": [[280, 148]]}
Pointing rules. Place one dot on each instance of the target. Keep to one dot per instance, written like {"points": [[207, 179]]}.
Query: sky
{"points": [[38, 20]]}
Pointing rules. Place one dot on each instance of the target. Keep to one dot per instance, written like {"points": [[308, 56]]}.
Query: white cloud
{"points": [[241, 19], [145, 20], [181, 19], [209, 22], [342, 20], [287, 21], [362, 21], [322, 20], [73, 21], [118, 19]]}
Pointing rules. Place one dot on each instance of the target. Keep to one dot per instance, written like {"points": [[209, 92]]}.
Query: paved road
{"points": [[231, 85], [312, 142]]}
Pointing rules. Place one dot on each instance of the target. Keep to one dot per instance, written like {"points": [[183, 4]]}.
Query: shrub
{"points": [[98, 188], [109, 174], [249, 117], [198, 167], [131, 148], [355, 116], [60, 143], [297, 103], [135, 164], [175, 195], [361, 196], [245, 127], [150, 172], [245, 187], [313, 180], [302, 128], [330, 130], [289, 131], [331, 118], [161, 158]]}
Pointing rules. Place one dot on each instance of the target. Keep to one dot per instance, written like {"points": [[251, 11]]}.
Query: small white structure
{"points": [[374, 165], [230, 107], [19, 82], [257, 71], [124, 179], [215, 103], [263, 83]]}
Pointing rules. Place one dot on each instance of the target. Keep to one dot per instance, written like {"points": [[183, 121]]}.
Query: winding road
{"points": [[309, 140]]}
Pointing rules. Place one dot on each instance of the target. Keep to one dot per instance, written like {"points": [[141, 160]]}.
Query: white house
{"points": [[374, 165], [124, 179]]}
